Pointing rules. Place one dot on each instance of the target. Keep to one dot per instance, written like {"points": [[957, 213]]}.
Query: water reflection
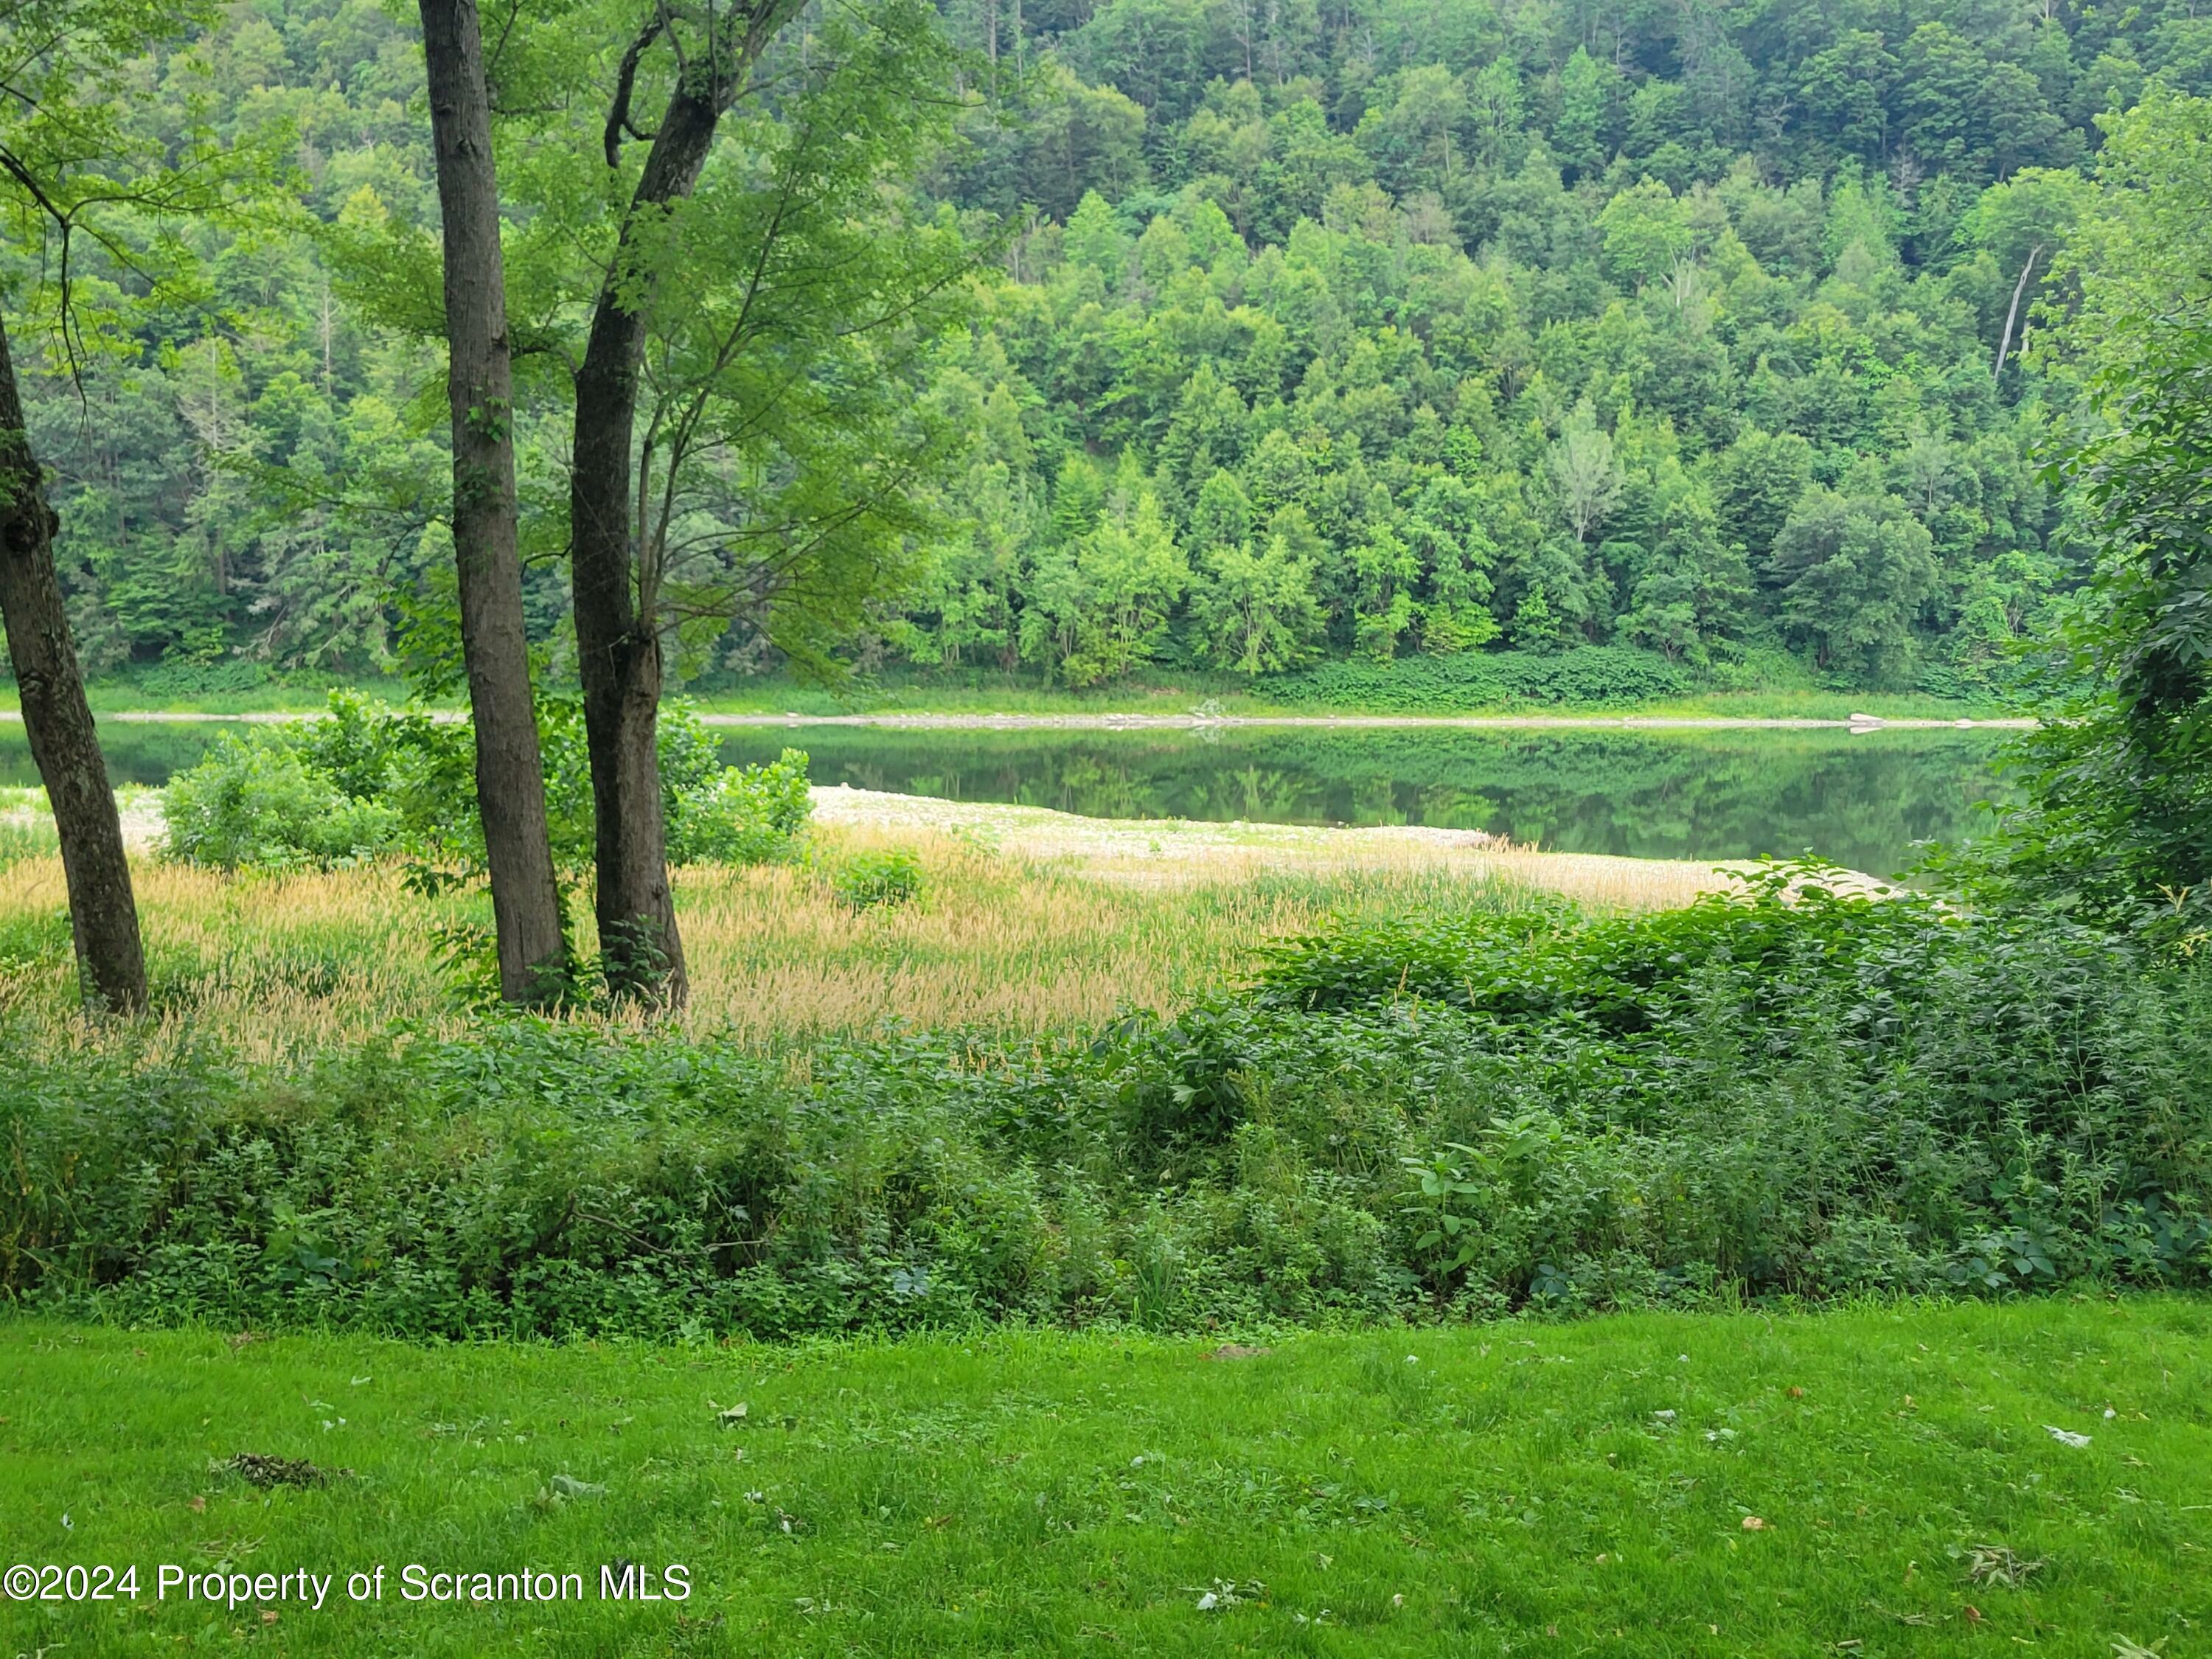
{"points": [[1862, 800]]}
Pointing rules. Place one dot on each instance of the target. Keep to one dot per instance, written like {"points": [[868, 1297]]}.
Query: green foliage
{"points": [[885, 879], [1500, 332], [366, 779], [1454, 684], [1853, 572], [739, 814], [1796, 1092], [2116, 822], [256, 802], [193, 679]]}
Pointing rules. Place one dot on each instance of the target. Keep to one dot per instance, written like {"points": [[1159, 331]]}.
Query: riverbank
{"points": [[1027, 922], [1192, 722], [1597, 682], [1862, 722], [1172, 853], [1159, 853]]}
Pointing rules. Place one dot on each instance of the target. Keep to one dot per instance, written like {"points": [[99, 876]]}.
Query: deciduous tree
{"points": [[532, 942]]}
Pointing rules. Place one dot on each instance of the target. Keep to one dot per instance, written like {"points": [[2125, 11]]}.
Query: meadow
{"points": [[1032, 922], [947, 1064], [1778, 687], [1534, 1220]]}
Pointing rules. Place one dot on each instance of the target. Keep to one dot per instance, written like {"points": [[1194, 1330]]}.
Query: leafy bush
{"points": [[190, 679], [255, 801], [2118, 776], [889, 879], [366, 779], [741, 814], [1597, 674], [1793, 1094]]}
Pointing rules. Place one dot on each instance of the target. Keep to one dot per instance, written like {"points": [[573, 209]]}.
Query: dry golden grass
{"points": [[1024, 926]]}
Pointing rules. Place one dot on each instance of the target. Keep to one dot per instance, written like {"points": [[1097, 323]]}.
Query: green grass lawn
{"points": [[1581, 1489]]}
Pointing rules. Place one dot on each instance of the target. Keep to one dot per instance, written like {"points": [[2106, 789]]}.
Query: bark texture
{"points": [[103, 911], [533, 952], [617, 631]]}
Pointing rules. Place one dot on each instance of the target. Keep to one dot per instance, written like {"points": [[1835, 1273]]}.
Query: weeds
{"points": [[1797, 1094], [277, 963]]}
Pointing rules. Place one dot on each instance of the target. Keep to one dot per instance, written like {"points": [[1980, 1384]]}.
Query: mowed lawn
{"points": [[1585, 1488]]}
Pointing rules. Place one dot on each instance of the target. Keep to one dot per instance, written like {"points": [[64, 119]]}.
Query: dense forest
{"points": [[1285, 332]]}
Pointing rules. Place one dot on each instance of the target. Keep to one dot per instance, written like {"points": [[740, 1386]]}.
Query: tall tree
{"points": [[2117, 814], [103, 911], [66, 154], [618, 642], [533, 955], [771, 436]]}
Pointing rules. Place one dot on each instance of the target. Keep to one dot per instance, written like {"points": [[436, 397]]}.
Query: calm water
{"points": [[1862, 801]]}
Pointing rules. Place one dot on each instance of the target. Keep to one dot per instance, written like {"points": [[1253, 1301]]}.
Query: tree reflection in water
{"points": [[1861, 800]]}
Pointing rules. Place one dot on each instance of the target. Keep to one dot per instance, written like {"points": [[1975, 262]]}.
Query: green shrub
{"points": [[741, 814], [189, 680], [1772, 1099], [866, 881], [1591, 675], [255, 801], [366, 779]]}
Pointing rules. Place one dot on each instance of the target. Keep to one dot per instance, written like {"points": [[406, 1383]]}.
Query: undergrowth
{"points": [[1788, 1093]]}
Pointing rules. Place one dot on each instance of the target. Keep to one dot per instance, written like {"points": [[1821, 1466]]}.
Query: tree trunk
{"points": [[111, 964], [2012, 313], [617, 631], [526, 898]]}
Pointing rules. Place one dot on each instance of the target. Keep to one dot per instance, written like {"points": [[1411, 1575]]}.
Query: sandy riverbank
{"points": [[1157, 852], [1170, 852]]}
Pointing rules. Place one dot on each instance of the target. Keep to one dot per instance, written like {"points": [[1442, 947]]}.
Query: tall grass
{"points": [[279, 964]]}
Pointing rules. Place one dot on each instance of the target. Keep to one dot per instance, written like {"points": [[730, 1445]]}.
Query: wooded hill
{"points": [[1293, 332]]}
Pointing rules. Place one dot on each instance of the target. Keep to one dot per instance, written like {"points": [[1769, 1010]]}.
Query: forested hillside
{"points": [[1368, 329]]}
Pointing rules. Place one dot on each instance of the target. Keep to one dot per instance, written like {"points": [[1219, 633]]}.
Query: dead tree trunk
{"points": [[111, 963], [526, 898], [2012, 312]]}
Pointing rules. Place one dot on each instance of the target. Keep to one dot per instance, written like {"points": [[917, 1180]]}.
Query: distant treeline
{"points": [[1320, 334]]}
